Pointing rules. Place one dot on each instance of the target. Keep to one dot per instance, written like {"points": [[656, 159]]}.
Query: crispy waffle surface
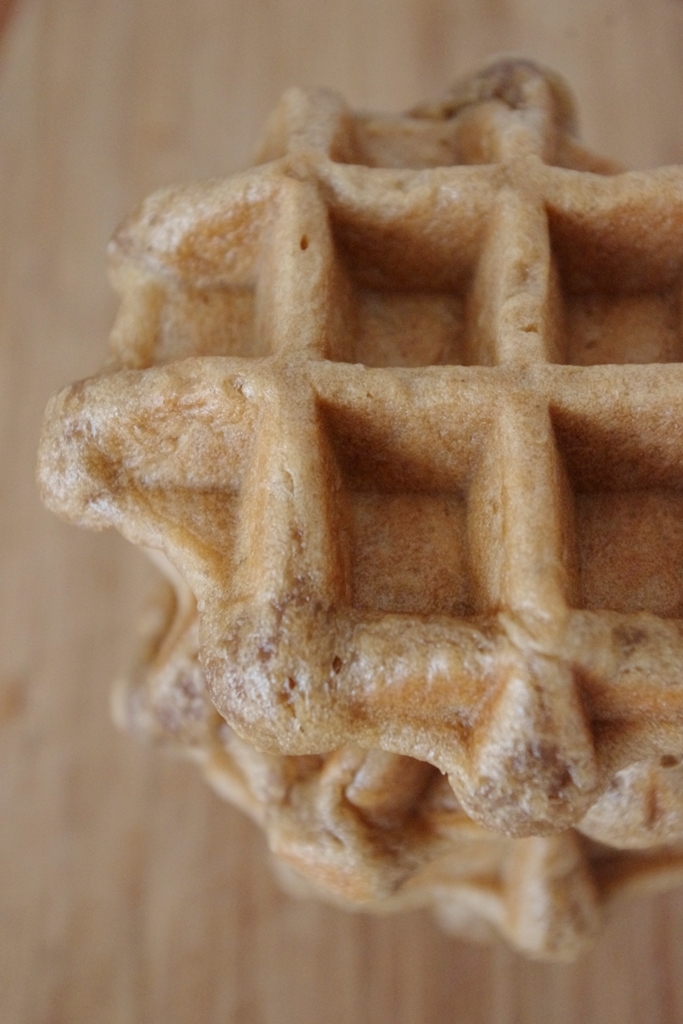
{"points": [[399, 411]]}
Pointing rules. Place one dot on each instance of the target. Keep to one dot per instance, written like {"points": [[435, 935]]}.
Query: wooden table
{"points": [[129, 894]]}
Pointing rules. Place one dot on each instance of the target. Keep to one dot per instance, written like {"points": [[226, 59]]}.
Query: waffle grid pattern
{"points": [[404, 431]]}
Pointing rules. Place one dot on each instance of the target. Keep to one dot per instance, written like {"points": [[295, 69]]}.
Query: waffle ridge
{"points": [[400, 406]]}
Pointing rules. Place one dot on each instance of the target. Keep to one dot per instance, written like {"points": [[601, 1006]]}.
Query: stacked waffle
{"points": [[399, 412]]}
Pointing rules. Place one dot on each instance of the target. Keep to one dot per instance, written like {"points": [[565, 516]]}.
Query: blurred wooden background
{"points": [[128, 893]]}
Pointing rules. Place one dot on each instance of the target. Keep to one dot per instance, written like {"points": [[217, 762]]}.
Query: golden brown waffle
{"points": [[402, 406]]}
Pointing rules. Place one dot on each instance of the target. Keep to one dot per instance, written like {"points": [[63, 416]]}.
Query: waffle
{"points": [[398, 409]]}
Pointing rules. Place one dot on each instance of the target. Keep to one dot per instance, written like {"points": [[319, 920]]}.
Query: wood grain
{"points": [[128, 892]]}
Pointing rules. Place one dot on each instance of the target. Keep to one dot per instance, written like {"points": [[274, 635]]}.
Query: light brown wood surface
{"points": [[128, 893]]}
